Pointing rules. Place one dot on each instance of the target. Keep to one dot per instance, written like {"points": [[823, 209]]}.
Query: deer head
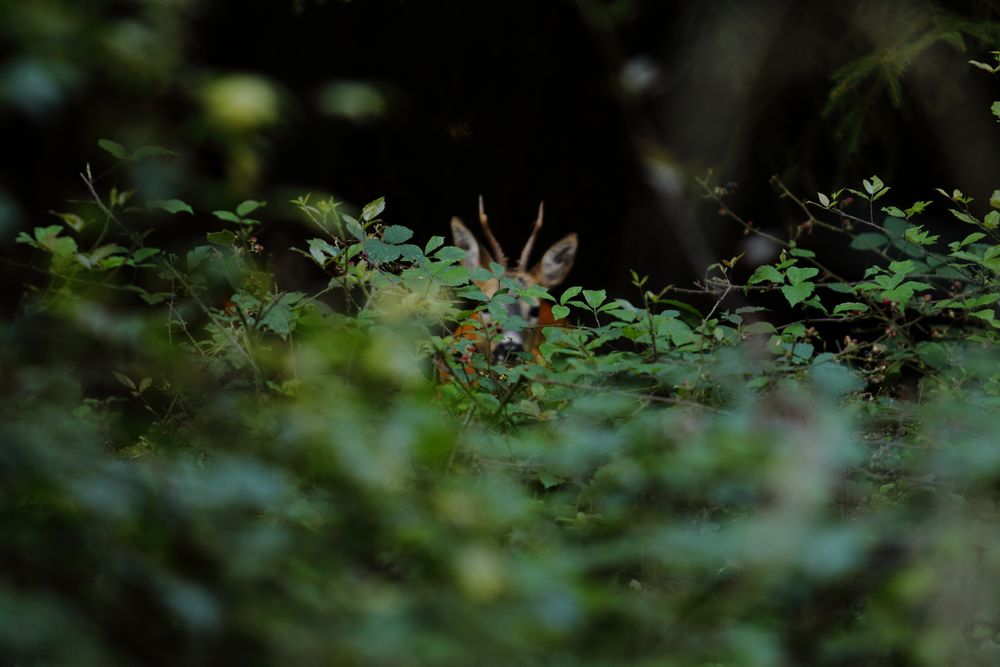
{"points": [[548, 272]]}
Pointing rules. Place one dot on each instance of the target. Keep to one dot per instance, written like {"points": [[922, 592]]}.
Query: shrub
{"points": [[200, 467]]}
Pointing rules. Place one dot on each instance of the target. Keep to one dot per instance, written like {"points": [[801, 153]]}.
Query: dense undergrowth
{"points": [[199, 467]]}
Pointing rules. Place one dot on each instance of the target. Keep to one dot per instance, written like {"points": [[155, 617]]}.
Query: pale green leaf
{"points": [[560, 312], [766, 272], [570, 293], [372, 209], [170, 206], [594, 298], [849, 306], [228, 216], [798, 275], [249, 206]]}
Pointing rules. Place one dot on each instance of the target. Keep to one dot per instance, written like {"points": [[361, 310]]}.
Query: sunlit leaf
{"points": [[372, 209]]}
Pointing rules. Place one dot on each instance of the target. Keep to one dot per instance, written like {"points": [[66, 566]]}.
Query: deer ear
{"points": [[556, 262], [475, 256]]}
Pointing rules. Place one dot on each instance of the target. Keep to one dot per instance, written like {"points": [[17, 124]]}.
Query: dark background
{"points": [[607, 111]]}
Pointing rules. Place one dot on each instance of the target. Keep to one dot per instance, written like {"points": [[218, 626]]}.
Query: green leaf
{"points": [[124, 379], [895, 227], [823, 200], [623, 310], [758, 328], [869, 241], [396, 234], [450, 253], [686, 309], [570, 293], [27, 240], [894, 211], [904, 292], [971, 238], [228, 216], [968, 256], [991, 220], [849, 306], [801, 252], [142, 254], [249, 206], [49, 240], [380, 252], [197, 255], [224, 238], [116, 149], [991, 259], [106, 250], [594, 298], [354, 228], [480, 274], [72, 220], [982, 66], [886, 281], [902, 268], [433, 244], [918, 236], [802, 351], [796, 275], [964, 217], [560, 312], [995, 199], [151, 151], [170, 206], [280, 316], [537, 292], [453, 276], [372, 209], [988, 315], [677, 331], [320, 250], [795, 330], [768, 273], [798, 293]]}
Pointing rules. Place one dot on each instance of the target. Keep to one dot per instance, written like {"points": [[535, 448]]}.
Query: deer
{"points": [[505, 345]]}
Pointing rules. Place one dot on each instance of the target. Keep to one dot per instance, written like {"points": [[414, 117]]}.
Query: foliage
{"points": [[200, 467], [900, 34]]}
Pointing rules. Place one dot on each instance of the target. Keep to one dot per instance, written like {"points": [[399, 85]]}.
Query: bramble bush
{"points": [[200, 467]]}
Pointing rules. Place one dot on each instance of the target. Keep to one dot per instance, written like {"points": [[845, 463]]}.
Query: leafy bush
{"points": [[200, 467]]}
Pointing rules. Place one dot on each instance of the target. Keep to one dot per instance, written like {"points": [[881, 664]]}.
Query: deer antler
{"points": [[522, 263], [494, 244]]}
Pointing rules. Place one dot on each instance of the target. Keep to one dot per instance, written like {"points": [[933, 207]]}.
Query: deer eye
{"points": [[533, 312]]}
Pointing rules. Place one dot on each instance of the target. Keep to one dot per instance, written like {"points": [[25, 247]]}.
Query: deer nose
{"points": [[506, 349]]}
